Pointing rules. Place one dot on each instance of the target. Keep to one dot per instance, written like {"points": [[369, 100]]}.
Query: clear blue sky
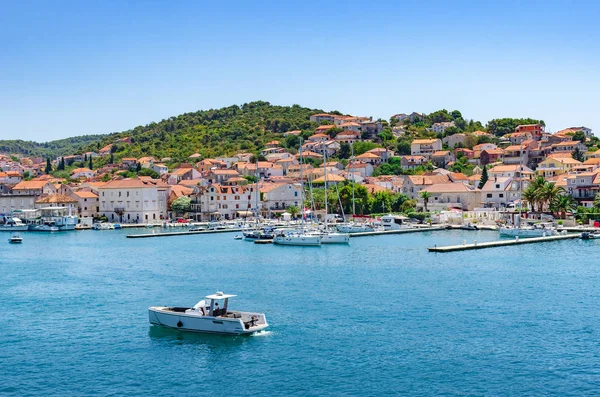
{"points": [[86, 67]]}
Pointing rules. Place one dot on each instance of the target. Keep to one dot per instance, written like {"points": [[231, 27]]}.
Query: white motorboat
{"points": [[15, 239], [103, 226], [207, 317], [536, 230], [238, 237], [394, 222], [330, 237], [354, 227], [12, 224]]}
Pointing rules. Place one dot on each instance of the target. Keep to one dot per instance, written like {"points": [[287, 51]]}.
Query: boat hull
{"points": [[335, 238], [516, 232], [203, 324], [301, 240], [19, 228]]}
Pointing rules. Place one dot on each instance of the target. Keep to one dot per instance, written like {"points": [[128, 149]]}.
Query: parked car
{"points": [[182, 220]]}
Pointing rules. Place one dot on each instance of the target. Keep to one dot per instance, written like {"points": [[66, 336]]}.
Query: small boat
{"points": [[468, 227], [238, 237], [207, 317], [149, 225], [103, 226], [395, 222], [15, 239], [589, 236], [117, 226], [535, 230], [196, 229]]}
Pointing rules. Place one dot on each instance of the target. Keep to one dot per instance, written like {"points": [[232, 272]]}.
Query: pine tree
{"points": [[48, 166], [484, 178], [91, 165], [112, 159], [61, 164], [85, 157]]}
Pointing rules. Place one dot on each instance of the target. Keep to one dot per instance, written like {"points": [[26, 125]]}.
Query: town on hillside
{"points": [[413, 163]]}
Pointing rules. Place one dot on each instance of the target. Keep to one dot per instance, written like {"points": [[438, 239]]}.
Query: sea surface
{"points": [[379, 317]]}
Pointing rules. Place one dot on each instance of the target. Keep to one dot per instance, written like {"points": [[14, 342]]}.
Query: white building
{"points": [[134, 200], [439, 128], [425, 147], [276, 197]]}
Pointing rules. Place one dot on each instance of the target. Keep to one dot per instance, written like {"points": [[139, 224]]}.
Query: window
{"points": [[296, 194], [119, 194], [128, 194], [501, 195], [497, 186], [489, 195]]}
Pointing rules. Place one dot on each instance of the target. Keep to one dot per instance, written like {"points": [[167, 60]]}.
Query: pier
{"points": [[502, 243], [171, 234], [401, 231]]}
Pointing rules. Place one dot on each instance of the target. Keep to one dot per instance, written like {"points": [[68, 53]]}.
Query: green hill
{"points": [[209, 132]]}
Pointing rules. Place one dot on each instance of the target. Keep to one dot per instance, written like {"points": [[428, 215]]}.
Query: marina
{"points": [[490, 306]]}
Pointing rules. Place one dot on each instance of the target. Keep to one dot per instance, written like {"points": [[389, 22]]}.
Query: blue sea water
{"points": [[379, 317]]}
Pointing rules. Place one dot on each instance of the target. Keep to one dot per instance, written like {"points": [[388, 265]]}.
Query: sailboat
{"points": [[297, 237], [257, 233], [329, 236], [354, 227], [518, 230]]}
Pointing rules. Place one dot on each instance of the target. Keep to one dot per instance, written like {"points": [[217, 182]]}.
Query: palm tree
{"points": [[531, 195], [562, 204], [425, 195], [293, 211], [549, 192]]}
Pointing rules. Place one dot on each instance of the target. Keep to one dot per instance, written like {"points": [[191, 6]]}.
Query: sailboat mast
{"points": [[302, 188], [257, 191], [352, 171], [520, 181], [325, 177]]}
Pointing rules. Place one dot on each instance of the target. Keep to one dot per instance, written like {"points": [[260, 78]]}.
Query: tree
{"points": [[579, 136], [562, 204], [403, 147], [91, 165], [345, 151], [48, 169], [112, 159], [181, 205], [549, 192], [149, 172], [484, 178], [381, 202], [531, 196], [293, 211], [61, 164], [425, 195], [597, 201], [577, 155]]}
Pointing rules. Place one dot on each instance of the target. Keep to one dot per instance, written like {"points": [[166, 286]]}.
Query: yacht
{"points": [[394, 222], [534, 230], [207, 317], [103, 226], [296, 237], [354, 227], [12, 224]]}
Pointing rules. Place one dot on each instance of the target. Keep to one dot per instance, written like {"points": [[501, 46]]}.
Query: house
{"points": [[512, 170], [35, 188], [10, 177], [412, 162], [370, 158], [88, 204], [452, 140], [264, 169], [58, 200], [128, 162], [572, 130], [489, 156], [228, 202], [363, 169], [411, 117], [320, 117], [348, 137], [413, 184], [441, 158], [554, 166], [425, 147], [468, 153], [220, 176], [584, 187], [331, 180], [209, 164], [384, 153], [162, 169], [450, 195], [569, 146], [319, 137], [516, 154], [106, 150], [535, 130], [276, 197], [181, 174], [82, 173], [494, 193], [133, 200], [439, 128], [370, 128], [351, 126]]}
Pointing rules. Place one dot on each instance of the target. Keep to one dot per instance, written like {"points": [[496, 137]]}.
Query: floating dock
{"points": [[170, 234], [401, 231], [502, 243]]}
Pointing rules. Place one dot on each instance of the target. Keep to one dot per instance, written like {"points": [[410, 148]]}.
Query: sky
{"points": [[88, 67]]}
